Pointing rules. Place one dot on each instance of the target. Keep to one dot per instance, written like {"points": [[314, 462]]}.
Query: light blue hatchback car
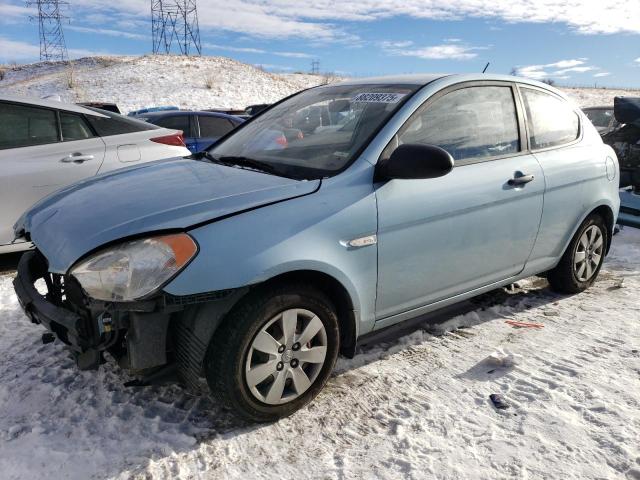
{"points": [[341, 210]]}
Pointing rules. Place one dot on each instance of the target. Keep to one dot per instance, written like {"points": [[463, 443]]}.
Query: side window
{"points": [[116, 124], [470, 123], [552, 121], [214, 126], [175, 122], [74, 127], [23, 126]]}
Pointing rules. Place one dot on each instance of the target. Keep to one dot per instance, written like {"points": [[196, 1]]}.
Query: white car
{"points": [[46, 145]]}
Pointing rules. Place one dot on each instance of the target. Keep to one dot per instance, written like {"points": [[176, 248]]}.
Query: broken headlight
{"points": [[134, 269]]}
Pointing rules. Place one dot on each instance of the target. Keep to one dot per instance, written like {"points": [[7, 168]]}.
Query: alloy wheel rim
{"points": [[588, 253], [286, 356]]}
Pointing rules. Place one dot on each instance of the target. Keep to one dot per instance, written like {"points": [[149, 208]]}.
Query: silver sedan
{"points": [[46, 145]]}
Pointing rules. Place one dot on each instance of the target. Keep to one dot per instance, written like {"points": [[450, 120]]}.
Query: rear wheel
{"points": [[582, 260], [274, 353]]}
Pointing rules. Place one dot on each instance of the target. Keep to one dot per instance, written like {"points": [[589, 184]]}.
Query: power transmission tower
{"points": [[315, 67], [52, 45], [175, 21]]}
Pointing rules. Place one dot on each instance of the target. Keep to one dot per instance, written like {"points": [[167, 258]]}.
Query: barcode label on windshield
{"points": [[378, 97]]}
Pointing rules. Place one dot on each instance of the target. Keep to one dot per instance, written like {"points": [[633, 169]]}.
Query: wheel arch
{"points": [[337, 293], [193, 329], [605, 210], [606, 213]]}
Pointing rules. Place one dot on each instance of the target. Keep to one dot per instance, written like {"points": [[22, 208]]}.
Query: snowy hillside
{"points": [[137, 82], [186, 82], [412, 406], [598, 97]]}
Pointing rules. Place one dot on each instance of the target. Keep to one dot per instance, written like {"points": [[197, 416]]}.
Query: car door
{"points": [[41, 151], [211, 128], [472, 227]]}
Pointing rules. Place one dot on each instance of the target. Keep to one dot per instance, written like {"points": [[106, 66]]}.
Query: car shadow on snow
{"points": [[52, 402]]}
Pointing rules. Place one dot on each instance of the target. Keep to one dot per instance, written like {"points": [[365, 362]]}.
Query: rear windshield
{"points": [[318, 132], [116, 124]]}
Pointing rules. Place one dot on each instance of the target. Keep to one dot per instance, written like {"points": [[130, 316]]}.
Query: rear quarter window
{"points": [[116, 124], [552, 120]]}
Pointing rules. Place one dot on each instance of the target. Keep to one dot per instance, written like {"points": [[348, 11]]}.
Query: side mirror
{"points": [[415, 161]]}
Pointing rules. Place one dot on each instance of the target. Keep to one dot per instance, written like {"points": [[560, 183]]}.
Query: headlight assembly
{"points": [[134, 269]]}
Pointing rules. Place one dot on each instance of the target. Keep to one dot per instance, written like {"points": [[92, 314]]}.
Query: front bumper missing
{"points": [[140, 335], [136, 330], [67, 325]]}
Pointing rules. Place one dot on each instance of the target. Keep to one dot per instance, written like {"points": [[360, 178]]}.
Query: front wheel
{"points": [[274, 352], [582, 260]]}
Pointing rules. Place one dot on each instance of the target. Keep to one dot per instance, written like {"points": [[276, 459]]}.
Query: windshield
{"points": [[316, 133]]}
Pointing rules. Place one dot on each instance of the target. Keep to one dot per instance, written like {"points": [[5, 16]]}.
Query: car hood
{"points": [[170, 194]]}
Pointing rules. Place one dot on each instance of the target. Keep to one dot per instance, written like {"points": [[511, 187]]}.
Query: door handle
{"points": [[520, 180], [76, 158]]}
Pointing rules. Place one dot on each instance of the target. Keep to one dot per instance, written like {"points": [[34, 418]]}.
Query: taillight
{"points": [[175, 139]]}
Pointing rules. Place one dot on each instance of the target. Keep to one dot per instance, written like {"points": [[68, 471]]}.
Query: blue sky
{"points": [[575, 42]]}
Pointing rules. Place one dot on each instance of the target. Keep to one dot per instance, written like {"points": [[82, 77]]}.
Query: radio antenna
{"points": [[485, 67]]}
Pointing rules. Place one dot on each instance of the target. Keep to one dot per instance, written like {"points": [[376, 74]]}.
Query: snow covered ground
{"points": [[187, 82], [412, 404]]}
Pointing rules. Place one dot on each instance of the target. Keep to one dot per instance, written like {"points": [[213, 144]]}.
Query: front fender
{"points": [[306, 233]]}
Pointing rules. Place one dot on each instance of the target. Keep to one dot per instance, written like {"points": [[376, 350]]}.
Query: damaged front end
{"points": [[135, 333], [160, 338]]}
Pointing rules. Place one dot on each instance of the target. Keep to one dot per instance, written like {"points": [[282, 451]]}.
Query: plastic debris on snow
{"points": [[504, 358]]}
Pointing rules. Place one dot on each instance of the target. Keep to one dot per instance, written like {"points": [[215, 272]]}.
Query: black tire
{"points": [[226, 356], [563, 278]]}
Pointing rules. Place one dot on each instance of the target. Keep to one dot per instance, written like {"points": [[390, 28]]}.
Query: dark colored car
{"points": [[200, 129], [622, 133], [602, 118], [625, 139]]}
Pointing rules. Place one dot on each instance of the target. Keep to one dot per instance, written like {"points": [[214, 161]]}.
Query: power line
{"points": [[175, 21], [315, 67], [52, 44]]}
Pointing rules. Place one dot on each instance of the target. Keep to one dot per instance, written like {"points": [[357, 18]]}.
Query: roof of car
{"points": [[41, 102], [425, 78], [410, 79], [171, 113]]}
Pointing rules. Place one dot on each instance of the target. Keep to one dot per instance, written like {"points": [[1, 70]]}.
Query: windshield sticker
{"points": [[378, 97]]}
